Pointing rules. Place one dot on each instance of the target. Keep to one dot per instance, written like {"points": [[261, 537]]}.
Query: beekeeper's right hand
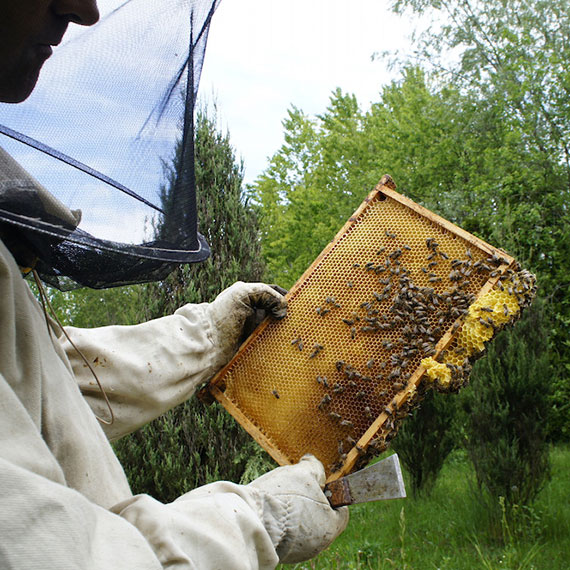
{"points": [[296, 513]]}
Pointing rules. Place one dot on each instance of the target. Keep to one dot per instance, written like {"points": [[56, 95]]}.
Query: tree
{"points": [[426, 439], [506, 412], [513, 60], [193, 444]]}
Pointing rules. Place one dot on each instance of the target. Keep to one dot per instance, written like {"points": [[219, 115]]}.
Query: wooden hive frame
{"points": [[266, 386]]}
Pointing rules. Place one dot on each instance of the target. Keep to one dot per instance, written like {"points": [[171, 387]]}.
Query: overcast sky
{"points": [[265, 55]]}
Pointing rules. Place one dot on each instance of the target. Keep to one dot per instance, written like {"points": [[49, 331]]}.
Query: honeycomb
{"points": [[491, 312], [398, 293]]}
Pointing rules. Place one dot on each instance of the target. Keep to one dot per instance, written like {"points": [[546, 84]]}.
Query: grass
{"points": [[450, 529]]}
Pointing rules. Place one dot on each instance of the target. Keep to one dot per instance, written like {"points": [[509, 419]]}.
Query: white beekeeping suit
{"points": [[64, 499]]}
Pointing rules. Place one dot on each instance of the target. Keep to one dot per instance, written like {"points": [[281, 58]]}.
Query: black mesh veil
{"points": [[108, 132]]}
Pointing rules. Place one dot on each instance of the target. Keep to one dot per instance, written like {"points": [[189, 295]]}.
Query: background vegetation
{"points": [[477, 129]]}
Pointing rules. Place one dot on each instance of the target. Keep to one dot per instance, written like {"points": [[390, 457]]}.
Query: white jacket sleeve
{"points": [[149, 368], [144, 369], [63, 494]]}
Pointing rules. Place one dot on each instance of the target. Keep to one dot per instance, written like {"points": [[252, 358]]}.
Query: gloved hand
{"points": [[296, 513], [237, 310]]}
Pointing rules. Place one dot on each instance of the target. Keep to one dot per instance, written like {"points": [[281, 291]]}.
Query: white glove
{"points": [[238, 309], [296, 513]]}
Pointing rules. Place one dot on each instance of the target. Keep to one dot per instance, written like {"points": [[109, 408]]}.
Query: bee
{"points": [[381, 251], [487, 309], [330, 300], [398, 385], [382, 394], [368, 412], [337, 388], [443, 255], [340, 447], [468, 253], [356, 265], [484, 323], [370, 363], [325, 382], [394, 374], [335, 416], [326, 399], [317, 348], [455, 326], [360, 395], [395, 254], [296, 340], [300, 345], [388, 411], [434, 279], [407, 247], [352, 384], [505, 310], [275, 393], [340, 364], [346, 423], [353, 332], [350, 284], [360, 450], [319, 380]]}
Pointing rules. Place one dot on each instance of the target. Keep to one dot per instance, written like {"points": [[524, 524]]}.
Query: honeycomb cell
{"points": [[396, 287]]}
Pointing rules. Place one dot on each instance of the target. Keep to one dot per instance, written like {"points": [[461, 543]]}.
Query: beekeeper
{"points": [[64, 499]]}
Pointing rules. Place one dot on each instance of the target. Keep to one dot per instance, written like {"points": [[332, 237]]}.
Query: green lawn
{"points": [[450, 530]]}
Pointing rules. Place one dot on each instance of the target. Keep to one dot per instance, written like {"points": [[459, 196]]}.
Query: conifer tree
{"points": [[194, 444], [506, 408], [426, 439]]}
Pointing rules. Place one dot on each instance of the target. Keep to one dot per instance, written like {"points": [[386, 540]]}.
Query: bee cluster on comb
{"points": [[399, 302]]}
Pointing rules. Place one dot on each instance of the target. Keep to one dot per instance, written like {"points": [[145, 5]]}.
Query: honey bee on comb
{"points": [[424, 299]]}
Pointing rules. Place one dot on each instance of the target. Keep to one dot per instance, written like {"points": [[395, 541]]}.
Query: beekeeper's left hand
{"points": [[237, 310]]}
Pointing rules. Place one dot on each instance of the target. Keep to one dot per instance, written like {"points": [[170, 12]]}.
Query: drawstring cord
{"points": [[47, 304]]}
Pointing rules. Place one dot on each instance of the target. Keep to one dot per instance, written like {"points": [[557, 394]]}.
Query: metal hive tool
{"points": [[379, 317]]}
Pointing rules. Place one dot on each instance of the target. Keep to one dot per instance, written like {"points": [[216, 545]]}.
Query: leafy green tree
{"points": [[512, 59], [194, 444]]}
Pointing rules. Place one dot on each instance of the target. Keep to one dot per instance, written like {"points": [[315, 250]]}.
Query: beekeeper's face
{"points": [[28, 30]]}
